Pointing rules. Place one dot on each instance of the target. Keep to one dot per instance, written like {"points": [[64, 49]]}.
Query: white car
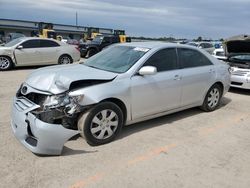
{"points": [[28, 51], [219, 54]]}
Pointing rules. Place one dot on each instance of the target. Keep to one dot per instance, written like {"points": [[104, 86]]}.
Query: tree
{"points": [[199, 38]]}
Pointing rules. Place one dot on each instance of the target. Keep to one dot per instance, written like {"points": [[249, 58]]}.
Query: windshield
{"points": [[241, 58], [98, 39], [116, 59], [13, 42]]}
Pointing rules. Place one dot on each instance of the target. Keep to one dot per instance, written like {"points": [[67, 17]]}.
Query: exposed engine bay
{"points": [[237, 49]]}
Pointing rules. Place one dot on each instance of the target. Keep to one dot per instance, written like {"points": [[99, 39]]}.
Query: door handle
{"points": [[177, 77], [211, 71]]}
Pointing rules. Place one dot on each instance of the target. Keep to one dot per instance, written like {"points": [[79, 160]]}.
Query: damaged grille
{"points": [[34, 97], [23, 104]]}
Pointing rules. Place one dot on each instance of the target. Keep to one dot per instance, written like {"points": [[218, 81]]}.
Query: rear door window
{"points": [[48, 43], [192, 58]]}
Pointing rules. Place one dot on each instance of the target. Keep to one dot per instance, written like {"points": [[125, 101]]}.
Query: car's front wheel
{"points": [[212, 99], [101, 124], [5, 63]]}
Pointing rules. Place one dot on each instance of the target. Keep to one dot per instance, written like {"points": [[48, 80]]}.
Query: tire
{"points": [[91, 52], [212, 99], [101, 124], [5, 63], [65, 59]]}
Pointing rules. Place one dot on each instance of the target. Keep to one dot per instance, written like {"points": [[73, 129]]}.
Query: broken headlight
{"points": [[54, 101], [68, 103]]}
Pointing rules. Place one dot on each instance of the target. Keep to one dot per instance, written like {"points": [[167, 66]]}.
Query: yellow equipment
{"points": [[46, 30], [122, 36]]}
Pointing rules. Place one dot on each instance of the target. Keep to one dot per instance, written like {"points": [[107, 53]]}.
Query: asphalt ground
{"points": [[186, 149]]}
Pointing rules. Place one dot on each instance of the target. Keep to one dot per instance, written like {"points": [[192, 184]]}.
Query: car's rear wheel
{"points": [[212, 99], [101, 124], [65, 59], [5, 63]]}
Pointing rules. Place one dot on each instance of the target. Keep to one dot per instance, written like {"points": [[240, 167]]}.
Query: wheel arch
{"points": [[66, 54], [221, 86], [120, 104], [9, 57], [220, 83]]}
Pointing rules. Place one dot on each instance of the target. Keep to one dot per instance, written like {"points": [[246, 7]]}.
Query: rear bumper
{"points": [[36, 135]]}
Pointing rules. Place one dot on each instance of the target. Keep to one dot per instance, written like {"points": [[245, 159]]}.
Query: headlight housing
{"points": [[55, 101]]}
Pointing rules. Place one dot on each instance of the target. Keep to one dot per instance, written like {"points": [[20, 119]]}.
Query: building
{"points": [[30, 28]]}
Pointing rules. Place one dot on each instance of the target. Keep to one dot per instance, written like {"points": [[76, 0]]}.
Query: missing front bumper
{"points": [[36, 135]]}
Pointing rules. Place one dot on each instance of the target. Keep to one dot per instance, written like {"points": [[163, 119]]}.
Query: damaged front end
{"points": [[43, 122]]}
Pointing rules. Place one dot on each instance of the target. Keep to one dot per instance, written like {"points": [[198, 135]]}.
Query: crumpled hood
{"points": [[57, 79], [237, 45]]}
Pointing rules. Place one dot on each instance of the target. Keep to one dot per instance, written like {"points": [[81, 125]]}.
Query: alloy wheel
{"points": [[104, 124], [4, 63], [65, 60], [213, 97]]}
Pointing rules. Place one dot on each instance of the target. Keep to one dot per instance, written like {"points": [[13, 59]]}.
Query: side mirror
{"points": [[148, 70], [19, 47]]}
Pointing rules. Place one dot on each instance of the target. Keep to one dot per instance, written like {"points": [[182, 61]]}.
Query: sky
{"points": [[149, 18]]}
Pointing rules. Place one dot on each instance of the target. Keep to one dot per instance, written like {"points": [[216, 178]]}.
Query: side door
{"points": [[152, 94], [49, 51], [27, 53], [198, 72]]}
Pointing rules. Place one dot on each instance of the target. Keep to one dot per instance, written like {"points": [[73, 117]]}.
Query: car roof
{"points": [[28, 38], [154, 45]]}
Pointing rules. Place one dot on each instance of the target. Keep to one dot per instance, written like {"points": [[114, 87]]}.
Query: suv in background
{"points": [[97, 44], [209, 47]]}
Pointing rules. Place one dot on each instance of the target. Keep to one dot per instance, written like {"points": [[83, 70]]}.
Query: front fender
{"points": [[120, 89]]}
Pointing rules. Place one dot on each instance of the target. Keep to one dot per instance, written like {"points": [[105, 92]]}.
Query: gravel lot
{"points": [[186, 149]]}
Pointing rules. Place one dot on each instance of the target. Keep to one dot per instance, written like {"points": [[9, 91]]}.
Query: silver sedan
{"points": [[124, 84], [27, 51]]}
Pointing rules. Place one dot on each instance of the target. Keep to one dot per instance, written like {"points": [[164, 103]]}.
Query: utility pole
{"points": [[76, 19]]}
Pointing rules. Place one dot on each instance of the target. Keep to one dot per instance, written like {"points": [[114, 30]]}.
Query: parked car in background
{"points": [[72, 41], [237, 50], [219, 54], [10, 37], [89, 49], [121, 85], [28, 51], [207, 46]]}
